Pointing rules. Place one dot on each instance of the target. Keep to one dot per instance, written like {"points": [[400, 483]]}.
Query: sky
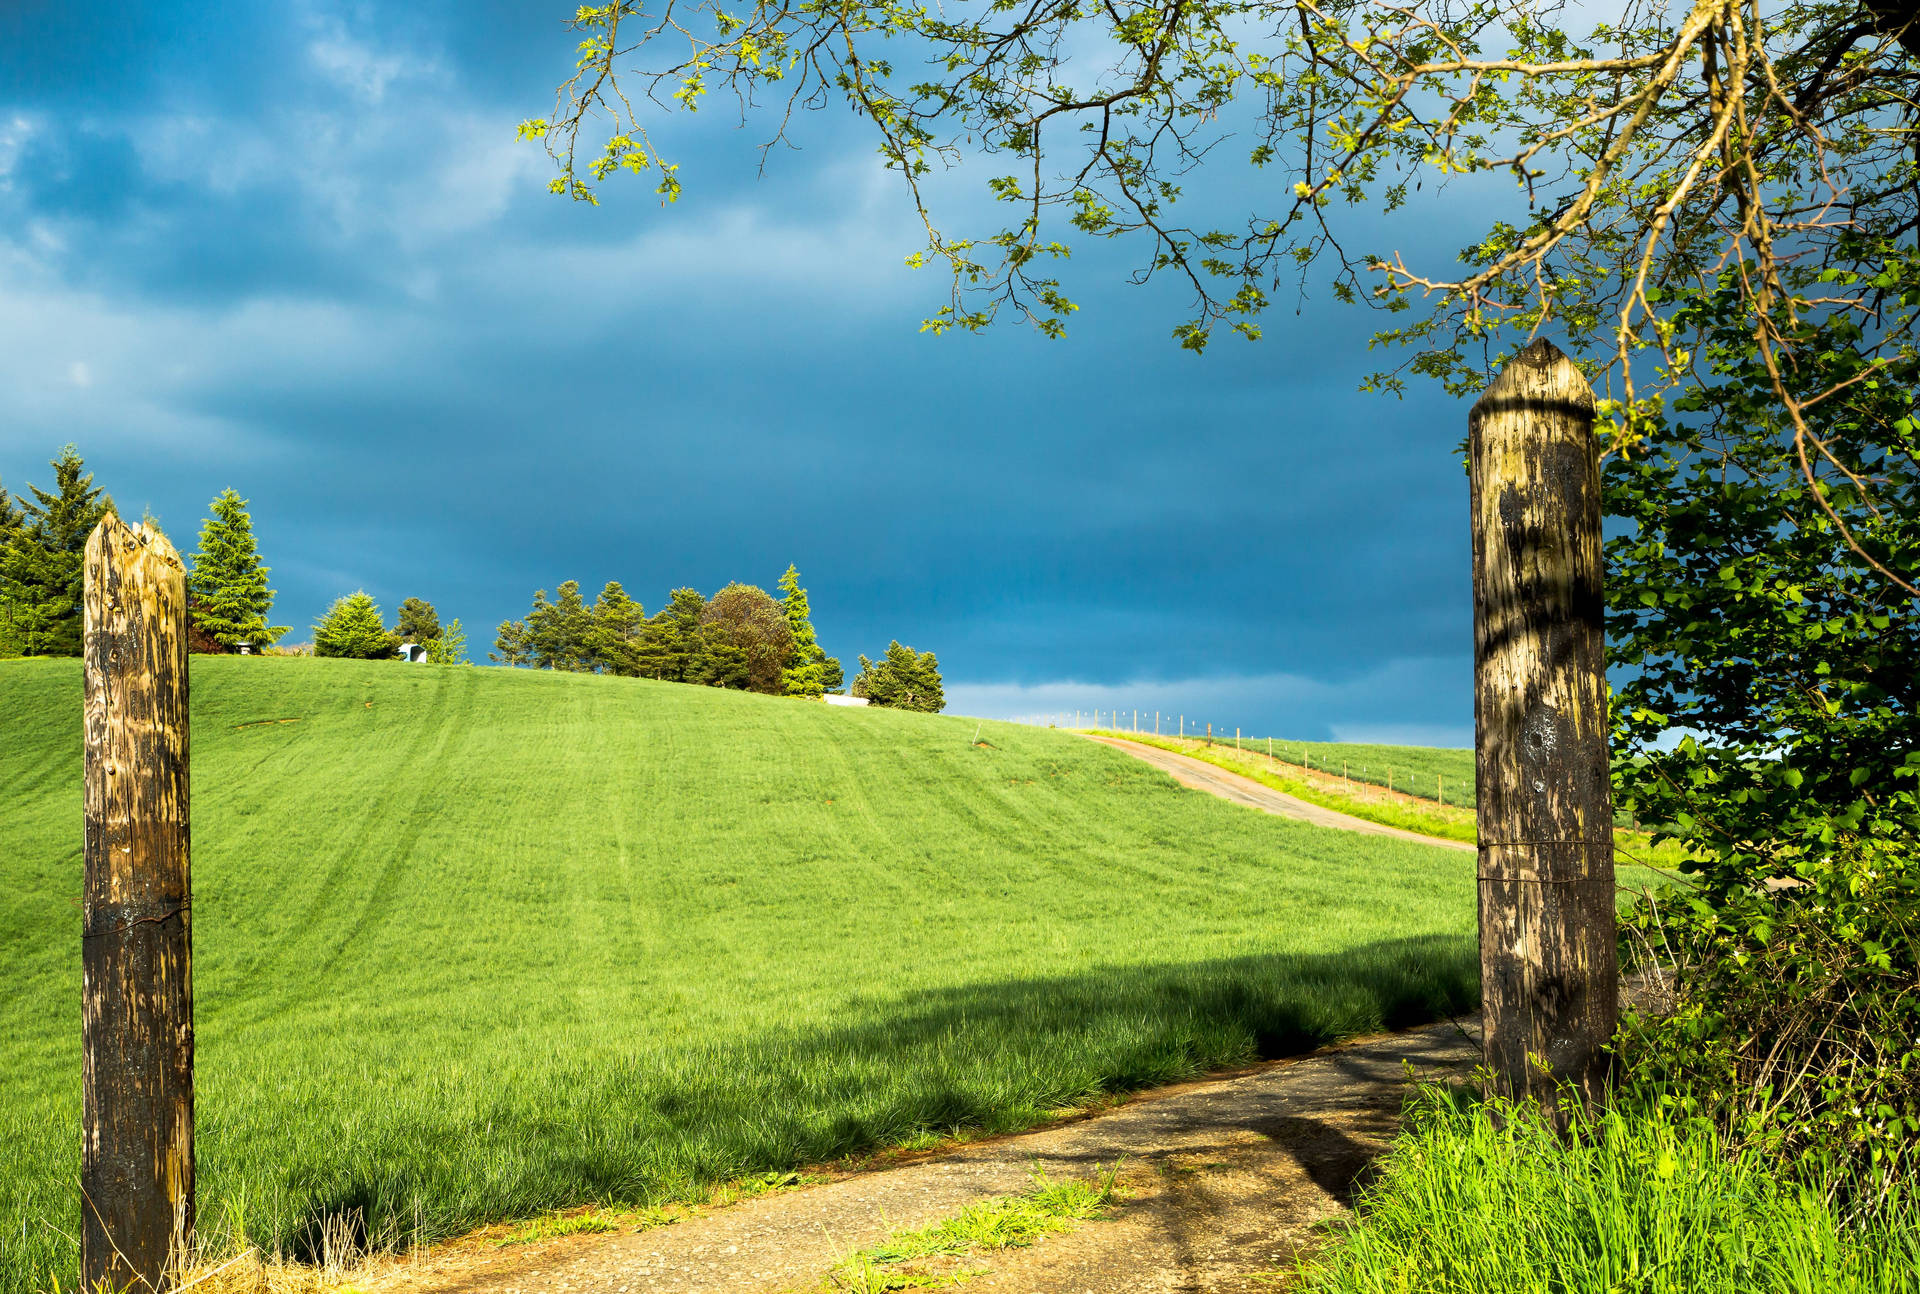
{"points": [[297, 250]]}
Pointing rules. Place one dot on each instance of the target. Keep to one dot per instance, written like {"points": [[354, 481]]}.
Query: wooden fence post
{"points": [[1549, 978], [136, 1164]]}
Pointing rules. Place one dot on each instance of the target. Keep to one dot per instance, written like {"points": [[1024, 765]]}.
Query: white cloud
{"points": [[357, 67], [79, 374], [1277, 705]]}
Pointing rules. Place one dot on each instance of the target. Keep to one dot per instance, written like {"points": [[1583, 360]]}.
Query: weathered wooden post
{"points": [[1547, 954], [136, 1163]]}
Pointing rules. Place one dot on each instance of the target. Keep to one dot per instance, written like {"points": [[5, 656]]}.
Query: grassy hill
{"points": [[471, 944]]}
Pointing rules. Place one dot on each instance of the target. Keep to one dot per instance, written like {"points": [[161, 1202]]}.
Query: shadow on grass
{"points": [[642, 1124]]}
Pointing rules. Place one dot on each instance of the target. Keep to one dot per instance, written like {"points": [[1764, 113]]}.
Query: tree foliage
{"points": [[353, 628], [1749, 612], [748, 642], [42, 566], [12, 525], [449, 647], [417, 622], [230, 596], [810, 672], [1646, 151], [903, 679]]}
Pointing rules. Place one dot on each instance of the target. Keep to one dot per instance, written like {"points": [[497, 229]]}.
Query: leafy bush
{"points": [[1796, 1026], [1754, 606]]}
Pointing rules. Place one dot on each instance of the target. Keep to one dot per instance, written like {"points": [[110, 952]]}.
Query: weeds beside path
{"points": [[1223, 1187]]}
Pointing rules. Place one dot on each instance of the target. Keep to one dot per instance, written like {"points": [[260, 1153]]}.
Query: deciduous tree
{"points": [[750, 642], [228, 583]]}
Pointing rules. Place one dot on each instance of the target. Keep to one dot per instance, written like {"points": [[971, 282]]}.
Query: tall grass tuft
{"points": [[1466, 1203]]}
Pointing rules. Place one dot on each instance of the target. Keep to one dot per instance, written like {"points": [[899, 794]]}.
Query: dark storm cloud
{"points": [[304, 257]]}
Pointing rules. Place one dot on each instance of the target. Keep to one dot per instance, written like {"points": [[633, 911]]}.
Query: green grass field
{"points": [[474, 944]]}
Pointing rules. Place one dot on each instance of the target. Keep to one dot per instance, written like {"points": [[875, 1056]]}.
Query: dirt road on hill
{"points": [[1226, 1181], [1211, 778]]}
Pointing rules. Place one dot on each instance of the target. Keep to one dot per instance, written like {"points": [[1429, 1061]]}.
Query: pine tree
{"points": [[613, 631], [42, 567], [419, 623], [903, 680], [229, 585], [12, 526], [510, 644], [353, 628], [671, 640], [450, 647], [810, 668], [557, 630]]}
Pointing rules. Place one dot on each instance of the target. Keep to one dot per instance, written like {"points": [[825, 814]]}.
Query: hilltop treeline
{"points": [[742, 637]]}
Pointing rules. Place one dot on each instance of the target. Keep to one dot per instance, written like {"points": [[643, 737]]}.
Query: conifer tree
{"points": [[804, 674], [418, 622], [557, 630], [12, 525], [811, 671], [353, 628], [903, 679], [450, 647], [229, 585], [510, 644], [42, 567], [671, 640], [613, 631]]}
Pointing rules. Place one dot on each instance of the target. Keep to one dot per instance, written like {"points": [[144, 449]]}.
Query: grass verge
{"points": [[1467, 1204], [901, 1262]]}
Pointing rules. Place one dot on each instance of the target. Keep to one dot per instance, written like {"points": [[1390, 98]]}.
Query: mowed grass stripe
{"points": [[477, 944]]}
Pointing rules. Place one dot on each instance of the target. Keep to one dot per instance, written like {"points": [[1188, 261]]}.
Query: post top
{"points": [[1539, 373], [116, 533]]}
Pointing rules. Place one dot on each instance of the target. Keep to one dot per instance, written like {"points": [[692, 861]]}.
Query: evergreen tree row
{"points": [[43, 544], [739, 638], [354, 628]]}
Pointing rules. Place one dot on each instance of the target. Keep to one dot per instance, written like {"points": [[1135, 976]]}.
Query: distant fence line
{"points": [[1447, 779]]}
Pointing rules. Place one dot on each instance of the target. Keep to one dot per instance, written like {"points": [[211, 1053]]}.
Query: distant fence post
{"points": [[136, 1164], [1549, 978]]}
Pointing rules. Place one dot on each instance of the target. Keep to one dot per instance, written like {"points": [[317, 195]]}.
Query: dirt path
{"points": [[1226, 1180], [1211, 778]]}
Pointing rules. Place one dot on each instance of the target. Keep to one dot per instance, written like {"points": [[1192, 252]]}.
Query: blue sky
{"points": [[296, 249]]}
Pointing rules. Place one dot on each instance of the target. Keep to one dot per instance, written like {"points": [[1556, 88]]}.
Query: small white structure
{"points": [[831, 699], [412, 653]]}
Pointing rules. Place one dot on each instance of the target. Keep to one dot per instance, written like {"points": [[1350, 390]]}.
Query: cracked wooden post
{"points": [[1547, 953], [136, 1164]]}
